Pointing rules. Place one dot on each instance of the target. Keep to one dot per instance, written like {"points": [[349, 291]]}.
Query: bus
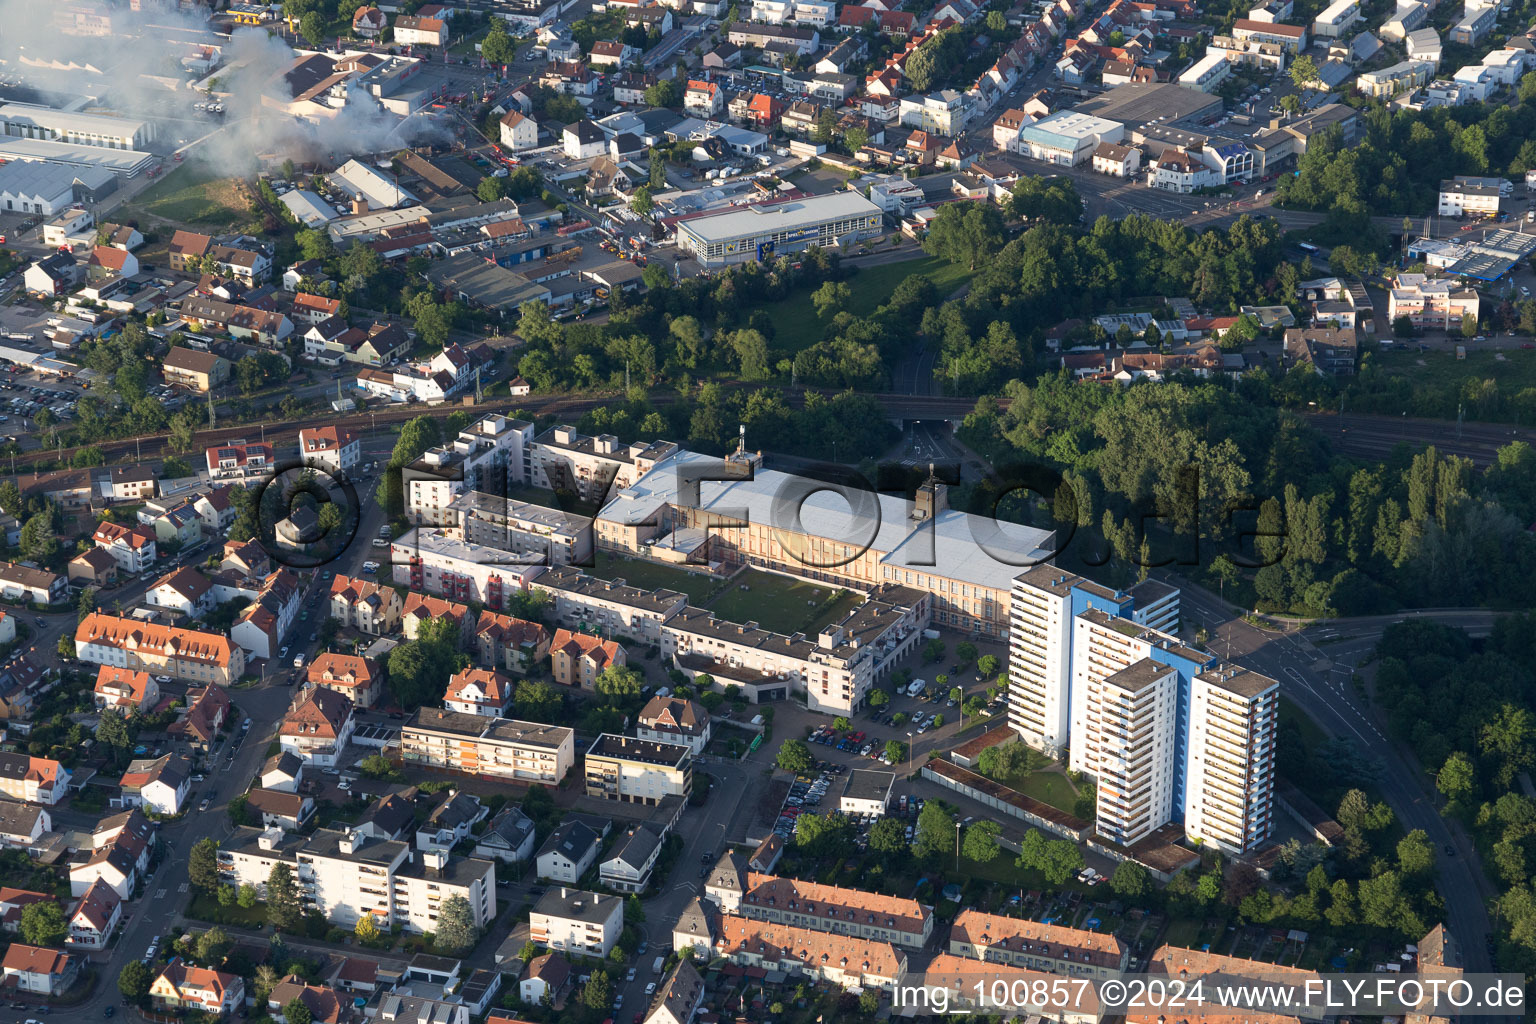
{"points": [[1308, 247]]}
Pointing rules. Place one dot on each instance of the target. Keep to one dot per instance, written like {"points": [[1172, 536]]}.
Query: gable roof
{"points": [[322, 713]]}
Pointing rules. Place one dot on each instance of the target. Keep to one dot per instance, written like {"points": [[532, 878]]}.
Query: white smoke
{"points": [[131, 63]]}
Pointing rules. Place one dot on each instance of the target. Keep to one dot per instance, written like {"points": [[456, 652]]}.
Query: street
{"points": [[1319, 681]]}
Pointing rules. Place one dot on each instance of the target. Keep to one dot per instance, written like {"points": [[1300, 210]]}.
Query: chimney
{"points": [[359, 205]]}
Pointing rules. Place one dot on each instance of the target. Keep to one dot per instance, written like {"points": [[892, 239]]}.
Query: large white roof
{"points": [[759, 219], [956, 545]]}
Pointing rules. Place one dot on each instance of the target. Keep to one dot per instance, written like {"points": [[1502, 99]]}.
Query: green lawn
{"points": [[1436, 383], [651, 576], [191, 194], [1311, 733], [779, 603], [1051, 788], [1182, 932], [796, 326]]}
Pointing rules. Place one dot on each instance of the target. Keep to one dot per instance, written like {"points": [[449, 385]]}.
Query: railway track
{"points": [[1375, 437]]}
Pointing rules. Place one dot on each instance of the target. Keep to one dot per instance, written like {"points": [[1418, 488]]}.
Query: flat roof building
{"points": [[638, 771], [755, 232], [496, 747], [1068, 137], [30, 121]]}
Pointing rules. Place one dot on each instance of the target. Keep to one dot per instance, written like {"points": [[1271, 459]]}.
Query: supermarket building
{"points": [[761, 231]]}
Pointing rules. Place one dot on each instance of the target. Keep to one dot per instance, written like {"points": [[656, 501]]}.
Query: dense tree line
{"points": [[1315, 534], [1464, 708], [1403, 155]]}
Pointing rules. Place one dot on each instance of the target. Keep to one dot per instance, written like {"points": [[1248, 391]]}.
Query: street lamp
{"points": [[957, 846]]}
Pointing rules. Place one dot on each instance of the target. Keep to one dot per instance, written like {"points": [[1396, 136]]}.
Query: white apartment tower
{"points": [[488, 455], [1234, 715], [1043, 605], [1129, 743]]}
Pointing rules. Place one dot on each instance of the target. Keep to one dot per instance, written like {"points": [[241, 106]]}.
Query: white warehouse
{"points": [[764, 229]]}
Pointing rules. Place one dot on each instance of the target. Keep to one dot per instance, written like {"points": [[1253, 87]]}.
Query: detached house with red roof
{"points": [[419, 31], [14, 901], [759, 110], [609, 53], [48, 972], [206, 715], [95, 917], [577, 659], [703, 99], [354, 677], [519, 131], [35, 780], [479, 691], [318, 728], [368, 23], [334, 449], [364, 605], [314, 308], [502, 641], [420, 608], [125, 689], [181, 986], [240, 461], [131, 547], [107, 260]]}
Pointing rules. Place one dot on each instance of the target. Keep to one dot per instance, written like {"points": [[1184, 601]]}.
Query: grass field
{"points": [[1051, 788], [191, 194], [650, 576], [794, 322], [1437, 384], [779, 603]]}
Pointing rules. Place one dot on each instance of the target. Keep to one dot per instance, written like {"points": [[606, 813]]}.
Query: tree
{"points": [[641, 202], [1415, 855], [456, 932], [664, 93], [1303, 71], [265, 979], [966, 233], [490, 189], [997, 22], [1130, 880], [312, 28], [618, 683], [1469, 326], [38, 542], [133, 982], [794, 756], [535, 700], [203, 864], [283, 908], [956, 694], [879, 699], [855, 139], [658, 168], [987, 665], [980, 842], [1045, 200], [497, 47], [869, 1000], [213, 946], [296, 1012], [831, 297], [366, 930], [597, 994], [1508, 740], [825, 836], [10, 498], [112, 730], [246, 895], [1063, 859], [935, 830], [43, 924], [895, 751], [1456, 779], [888, 835]]}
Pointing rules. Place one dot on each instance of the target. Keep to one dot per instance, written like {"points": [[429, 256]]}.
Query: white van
{"points": [[916, 687]]}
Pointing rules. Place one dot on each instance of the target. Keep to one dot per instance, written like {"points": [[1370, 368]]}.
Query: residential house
{"points": [[568, 852], [573, 921], [132, 547], [180, 987], [703, 99], [519, 131], [95, 918], [282, 772], [508, 838], [419, 608], [583, 140], [419, 31], [36, 780], [577, 659], [240, 461], [126, 690], [334, 449], [38, 970], [206, 714], [547, 978], [627, 868], [93, 568], [516, 645], [281, 810], [451, 821], [353, 676], [479, 691], [38, 586], [674, 720], [130, 483], [311, 309], [1331, 352], [158, 784], [262, 326], [185, 590], [611, 53], [22, 825], [318, 727], [364, 605], [369, 22]]}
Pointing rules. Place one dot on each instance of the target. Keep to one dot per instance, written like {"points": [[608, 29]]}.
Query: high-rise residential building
{"points": [[1042, 607], [1233, 718], [488, 455]]}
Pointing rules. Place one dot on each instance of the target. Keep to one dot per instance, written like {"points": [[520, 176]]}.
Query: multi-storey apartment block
{"points": [[835, 669], [608, 607], [497, 747], [103, 639], [1045, 601], [844, 960], [592, 467], [487, 456], [638, 771], [547, 535], [820, 908], [1432, 302], [1234, 716], [1043, 947], [345, 875], [573, 921]]}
